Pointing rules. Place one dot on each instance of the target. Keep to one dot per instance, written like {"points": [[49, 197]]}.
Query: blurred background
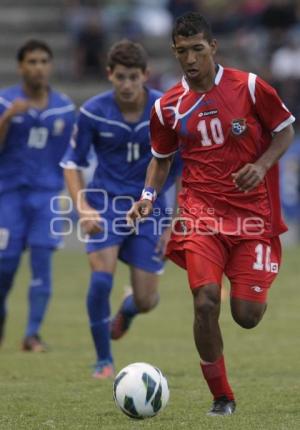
{"points": [[261, 36]]}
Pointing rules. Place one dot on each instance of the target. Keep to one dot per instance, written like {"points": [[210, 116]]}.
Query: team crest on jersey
{"points": [[238, 126], [58, 126]]}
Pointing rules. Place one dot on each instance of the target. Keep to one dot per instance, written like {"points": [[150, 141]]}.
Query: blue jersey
{"points": [[35, 142], [122, 148]]}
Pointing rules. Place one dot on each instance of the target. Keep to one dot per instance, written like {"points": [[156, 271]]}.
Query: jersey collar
{"points": [[219, 74], [218, 77]]}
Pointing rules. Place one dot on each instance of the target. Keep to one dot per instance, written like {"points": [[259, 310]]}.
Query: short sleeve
{"points": [[77, 153], [272, 112], [70, 122], [163, 139], [69, 119], [175, 172], [4, 105]]}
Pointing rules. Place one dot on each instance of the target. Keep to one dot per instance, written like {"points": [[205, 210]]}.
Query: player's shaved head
{"points": [[190, 24], [33, 45], [128, 54]]}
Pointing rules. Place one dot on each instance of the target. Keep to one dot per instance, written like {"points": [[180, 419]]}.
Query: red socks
{"points": [[216, 378]]}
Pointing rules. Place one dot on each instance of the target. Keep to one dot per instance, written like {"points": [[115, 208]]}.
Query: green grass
{"points": [[55, 390]]}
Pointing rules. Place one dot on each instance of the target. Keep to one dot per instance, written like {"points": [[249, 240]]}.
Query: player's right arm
{"points": [[74, 160], [157, 173], [17, 107], [164, 145]]}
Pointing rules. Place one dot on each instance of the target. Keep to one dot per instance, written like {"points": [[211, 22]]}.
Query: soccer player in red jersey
{"points": [[231, 129]]}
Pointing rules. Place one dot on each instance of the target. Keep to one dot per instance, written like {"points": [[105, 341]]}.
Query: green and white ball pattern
{"points": [[140, 390]]}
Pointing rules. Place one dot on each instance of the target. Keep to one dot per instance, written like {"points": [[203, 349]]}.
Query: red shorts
{"points": [[251, 265]]}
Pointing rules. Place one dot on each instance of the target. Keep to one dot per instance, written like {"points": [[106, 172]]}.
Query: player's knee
{"points": [[247, 321], [248, 317], [146, 303], [206, 301], [100, 286]]}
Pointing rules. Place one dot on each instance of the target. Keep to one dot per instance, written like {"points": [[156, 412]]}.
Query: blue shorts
{"points": [[138, 249], [25, 221]]}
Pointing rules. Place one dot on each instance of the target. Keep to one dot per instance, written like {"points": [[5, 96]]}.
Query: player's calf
{"points": [[8, 269], [2, 324], [123, 318], [146, 303], [130, 307]]}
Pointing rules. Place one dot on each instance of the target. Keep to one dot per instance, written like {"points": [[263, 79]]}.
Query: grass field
{"points": [[55, 390]]}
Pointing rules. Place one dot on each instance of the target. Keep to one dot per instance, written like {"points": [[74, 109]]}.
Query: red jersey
{"points": [[217, 133]]}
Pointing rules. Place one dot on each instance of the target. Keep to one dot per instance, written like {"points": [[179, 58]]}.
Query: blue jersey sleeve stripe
{"points": [[5, 102], [58, 111], [105, 120], [141, 125]]}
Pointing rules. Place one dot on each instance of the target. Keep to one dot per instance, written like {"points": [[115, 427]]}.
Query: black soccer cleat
{"points": [[222, 407], [34, 344]]}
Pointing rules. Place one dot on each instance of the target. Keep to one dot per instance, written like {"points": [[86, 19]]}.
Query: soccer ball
{"points": [[140, 390]]}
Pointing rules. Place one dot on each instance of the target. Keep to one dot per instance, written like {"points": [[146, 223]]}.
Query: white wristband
{"points": [[149, 193]]}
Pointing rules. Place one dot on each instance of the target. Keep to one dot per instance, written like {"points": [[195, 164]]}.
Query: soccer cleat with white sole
{"points": [[222, 407]]}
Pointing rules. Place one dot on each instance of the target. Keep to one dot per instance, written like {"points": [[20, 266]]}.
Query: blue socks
{"points": [[98, 307], [8, 267], [40, 288]]}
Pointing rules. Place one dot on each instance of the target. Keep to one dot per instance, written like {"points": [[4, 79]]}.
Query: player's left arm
{"points": [[274, 117], [250, 175]]}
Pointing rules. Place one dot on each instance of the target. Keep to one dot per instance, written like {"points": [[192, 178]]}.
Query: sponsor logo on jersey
{"points": [[257, 289], [208, 113], [238, 126]]}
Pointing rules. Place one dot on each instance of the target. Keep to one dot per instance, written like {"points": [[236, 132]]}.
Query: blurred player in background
{"points": [[231, 128], [116, 125], [35, 127]]}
